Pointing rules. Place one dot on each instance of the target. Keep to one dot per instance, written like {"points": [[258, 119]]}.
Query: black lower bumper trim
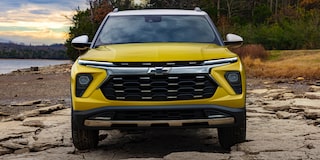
{"points": [[160, 113]]}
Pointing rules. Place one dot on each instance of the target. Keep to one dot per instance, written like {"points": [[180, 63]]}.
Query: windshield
{"points": [[148, 29]]}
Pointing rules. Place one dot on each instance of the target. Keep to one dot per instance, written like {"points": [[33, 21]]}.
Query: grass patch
{"points": [[285, 64], [274, 55], [251, 50]]}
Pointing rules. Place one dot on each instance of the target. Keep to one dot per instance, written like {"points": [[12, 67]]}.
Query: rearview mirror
{"points": [[81, 42], [233, 39]]}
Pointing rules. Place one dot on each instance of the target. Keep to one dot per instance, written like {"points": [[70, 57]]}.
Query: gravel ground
{"points": [[50, 84]]}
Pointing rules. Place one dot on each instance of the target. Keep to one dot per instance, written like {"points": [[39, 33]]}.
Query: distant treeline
{"points": [[12, 50]]}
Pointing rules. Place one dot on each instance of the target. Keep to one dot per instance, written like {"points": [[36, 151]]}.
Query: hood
{"points": [[157, 52]]}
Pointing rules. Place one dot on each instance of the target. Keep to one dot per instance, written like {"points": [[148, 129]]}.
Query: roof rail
{"points": [[115, 9], [197, 9]]}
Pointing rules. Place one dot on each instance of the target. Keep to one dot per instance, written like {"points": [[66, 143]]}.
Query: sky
{"points": [[37, 22]]}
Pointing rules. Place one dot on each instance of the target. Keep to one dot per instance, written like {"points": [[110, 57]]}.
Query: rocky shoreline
{"points": [[283, 123]]}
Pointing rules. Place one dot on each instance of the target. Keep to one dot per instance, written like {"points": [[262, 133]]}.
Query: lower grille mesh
{"points": [[158, 87], [160, 115]]}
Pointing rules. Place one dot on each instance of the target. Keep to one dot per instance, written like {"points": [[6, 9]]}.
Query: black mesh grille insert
{"points": [[160, 115], [159, 87]]}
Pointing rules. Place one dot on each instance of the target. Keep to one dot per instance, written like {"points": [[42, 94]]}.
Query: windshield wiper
{"points": [[105, 44]]}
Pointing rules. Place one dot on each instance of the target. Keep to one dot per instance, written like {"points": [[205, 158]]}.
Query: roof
{"points": [[157, 12]]}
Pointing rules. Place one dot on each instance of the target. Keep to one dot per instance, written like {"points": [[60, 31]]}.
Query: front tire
{"points": [[84, 138], [230, 136]]}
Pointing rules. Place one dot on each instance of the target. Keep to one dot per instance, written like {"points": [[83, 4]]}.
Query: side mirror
{"points": [[81, 42], [233, 39]]}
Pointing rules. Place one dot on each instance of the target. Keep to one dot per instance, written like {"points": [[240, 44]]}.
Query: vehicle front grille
{"points": [[159, 87]]}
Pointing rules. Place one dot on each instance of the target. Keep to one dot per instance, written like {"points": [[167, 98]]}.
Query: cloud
{"points": [[43, 1], [37, 21], [6, 5], [40, 11], [35, 37]]}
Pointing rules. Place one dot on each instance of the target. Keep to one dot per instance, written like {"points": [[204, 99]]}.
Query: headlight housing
{"points": [[82, 82], [234, 79]]}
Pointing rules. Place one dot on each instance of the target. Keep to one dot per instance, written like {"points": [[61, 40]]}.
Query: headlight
{"points": [[221, 61], [234, 79], [82, 83]]}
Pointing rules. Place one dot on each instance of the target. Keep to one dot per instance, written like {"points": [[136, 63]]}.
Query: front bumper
{"points": [[133, 117]]}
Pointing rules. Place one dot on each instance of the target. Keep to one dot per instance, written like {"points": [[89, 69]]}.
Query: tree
{"points": [[261, 13], [87, 22], [275, 23], [100, 10], [182, 4], [310, 4], [82, 25]]}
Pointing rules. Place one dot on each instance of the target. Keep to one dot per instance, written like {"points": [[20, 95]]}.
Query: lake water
{"points": [[9, 65]]}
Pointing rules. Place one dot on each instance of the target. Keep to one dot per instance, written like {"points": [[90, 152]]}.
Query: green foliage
{"points": [[261, 13], [182, 4], [299, 33], [87, 22], [274, 55], [273, 24], [82, 25]]}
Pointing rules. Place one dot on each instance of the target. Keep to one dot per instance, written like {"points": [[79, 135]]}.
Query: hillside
{"points": [[12, 50]]}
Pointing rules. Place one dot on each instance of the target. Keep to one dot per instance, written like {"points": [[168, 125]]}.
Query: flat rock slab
{"points": [[312, 95], [312, 113], [33, 123], [278, 106], [50, 109], [277, 138], [52, 137], [283, 155], [258, 91], [4, 114], [47, 121], [307, 103], [267, 138], [14, 129], [27, 103], [314, 88], [285, 115], [197, 155], [4, 151], [12, 145], [37, 112], [50, 154]]}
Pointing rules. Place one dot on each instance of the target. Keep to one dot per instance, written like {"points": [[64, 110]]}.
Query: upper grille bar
{"points": [[156, 64]]}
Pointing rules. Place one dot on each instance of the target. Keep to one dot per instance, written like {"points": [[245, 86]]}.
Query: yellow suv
{"points": [[157, 69]]}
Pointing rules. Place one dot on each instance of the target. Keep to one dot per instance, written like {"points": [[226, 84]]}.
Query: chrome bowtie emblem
{"points": [[159, 70]]}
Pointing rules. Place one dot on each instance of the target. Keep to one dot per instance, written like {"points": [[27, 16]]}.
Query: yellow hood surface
{"points": [[157, 52]]}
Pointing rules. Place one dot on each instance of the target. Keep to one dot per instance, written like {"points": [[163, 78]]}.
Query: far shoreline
{"points": [[8, 66]]}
